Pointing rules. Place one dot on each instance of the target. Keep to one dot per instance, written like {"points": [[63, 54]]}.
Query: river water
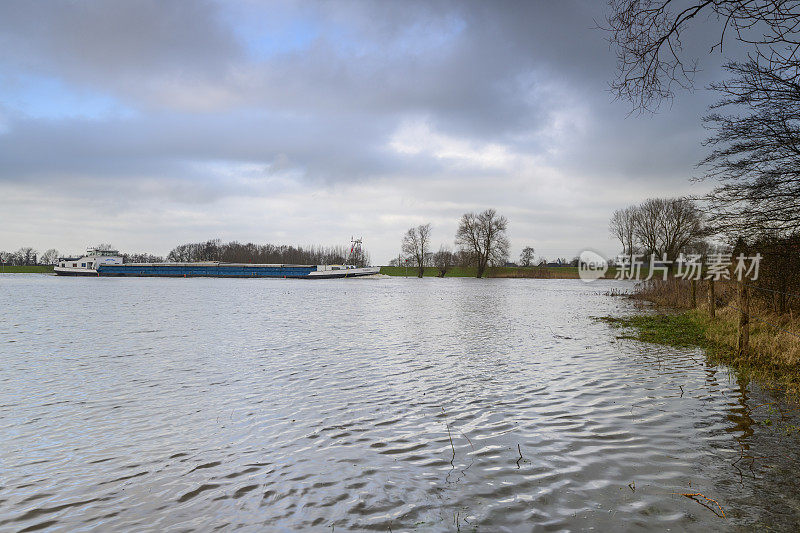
{"points": [[371, 405]]}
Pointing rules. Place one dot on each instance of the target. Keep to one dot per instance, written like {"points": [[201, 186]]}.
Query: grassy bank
{"points": [[670, 329], [455, 272], [774, 354], [497, 272], [36, 269]]}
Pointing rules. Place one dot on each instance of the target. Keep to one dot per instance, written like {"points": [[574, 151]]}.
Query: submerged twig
{"points": [[694, 495], [470, 442], [451, 442], [520, 455], [450, 436]]}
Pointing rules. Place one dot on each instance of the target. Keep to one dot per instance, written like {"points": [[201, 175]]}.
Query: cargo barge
{"points": [[103, 262]]}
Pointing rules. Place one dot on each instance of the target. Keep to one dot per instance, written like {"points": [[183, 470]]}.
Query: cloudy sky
{"points": [[148, 124]]}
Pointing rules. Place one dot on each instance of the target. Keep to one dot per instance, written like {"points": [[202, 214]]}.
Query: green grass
{"points": [[695, 328], [35, 269], [684, 329], [496, 272], [455, 272], [773, 358]]}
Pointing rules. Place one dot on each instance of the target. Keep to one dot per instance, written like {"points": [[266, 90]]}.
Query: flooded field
{"points": [[371, 405]]}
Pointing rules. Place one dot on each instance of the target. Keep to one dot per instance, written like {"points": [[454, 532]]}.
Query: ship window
{"points": [[83, 265], [75, 265]]}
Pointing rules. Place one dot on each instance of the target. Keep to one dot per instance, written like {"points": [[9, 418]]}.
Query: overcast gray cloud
{"points": [[148, 124]]}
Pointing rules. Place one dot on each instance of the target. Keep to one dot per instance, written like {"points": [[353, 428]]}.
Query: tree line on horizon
{"points": [[214, 250], [236, 252], [29, 256]]}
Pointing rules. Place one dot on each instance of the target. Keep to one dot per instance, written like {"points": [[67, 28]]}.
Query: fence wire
{"points": [[753, 317], [772, 290], [720, 302]]}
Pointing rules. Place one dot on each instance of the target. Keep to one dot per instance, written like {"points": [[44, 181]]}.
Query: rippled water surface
{"points": [[373, 404]]}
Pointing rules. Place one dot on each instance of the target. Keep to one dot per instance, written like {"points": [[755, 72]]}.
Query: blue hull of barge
{"points": [[206, 271]]}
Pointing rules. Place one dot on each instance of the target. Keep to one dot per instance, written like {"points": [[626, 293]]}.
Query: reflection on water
{"points": [[402, 404]]}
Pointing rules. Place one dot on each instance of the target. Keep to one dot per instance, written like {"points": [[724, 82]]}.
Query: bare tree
{"points": [[26, 256], [443, 260], [682, 226], [756, 136], [677, 223], [647, 38], [463, 258], [647, 219], [483, 236], [50, 257], [415, 245], [661, 226], [756, 154], [526, 257], [623, 227]]}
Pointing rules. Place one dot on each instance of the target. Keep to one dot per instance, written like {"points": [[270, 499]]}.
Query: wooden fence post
{"points": [[693, 292], [712, 301], [743, 342]]}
